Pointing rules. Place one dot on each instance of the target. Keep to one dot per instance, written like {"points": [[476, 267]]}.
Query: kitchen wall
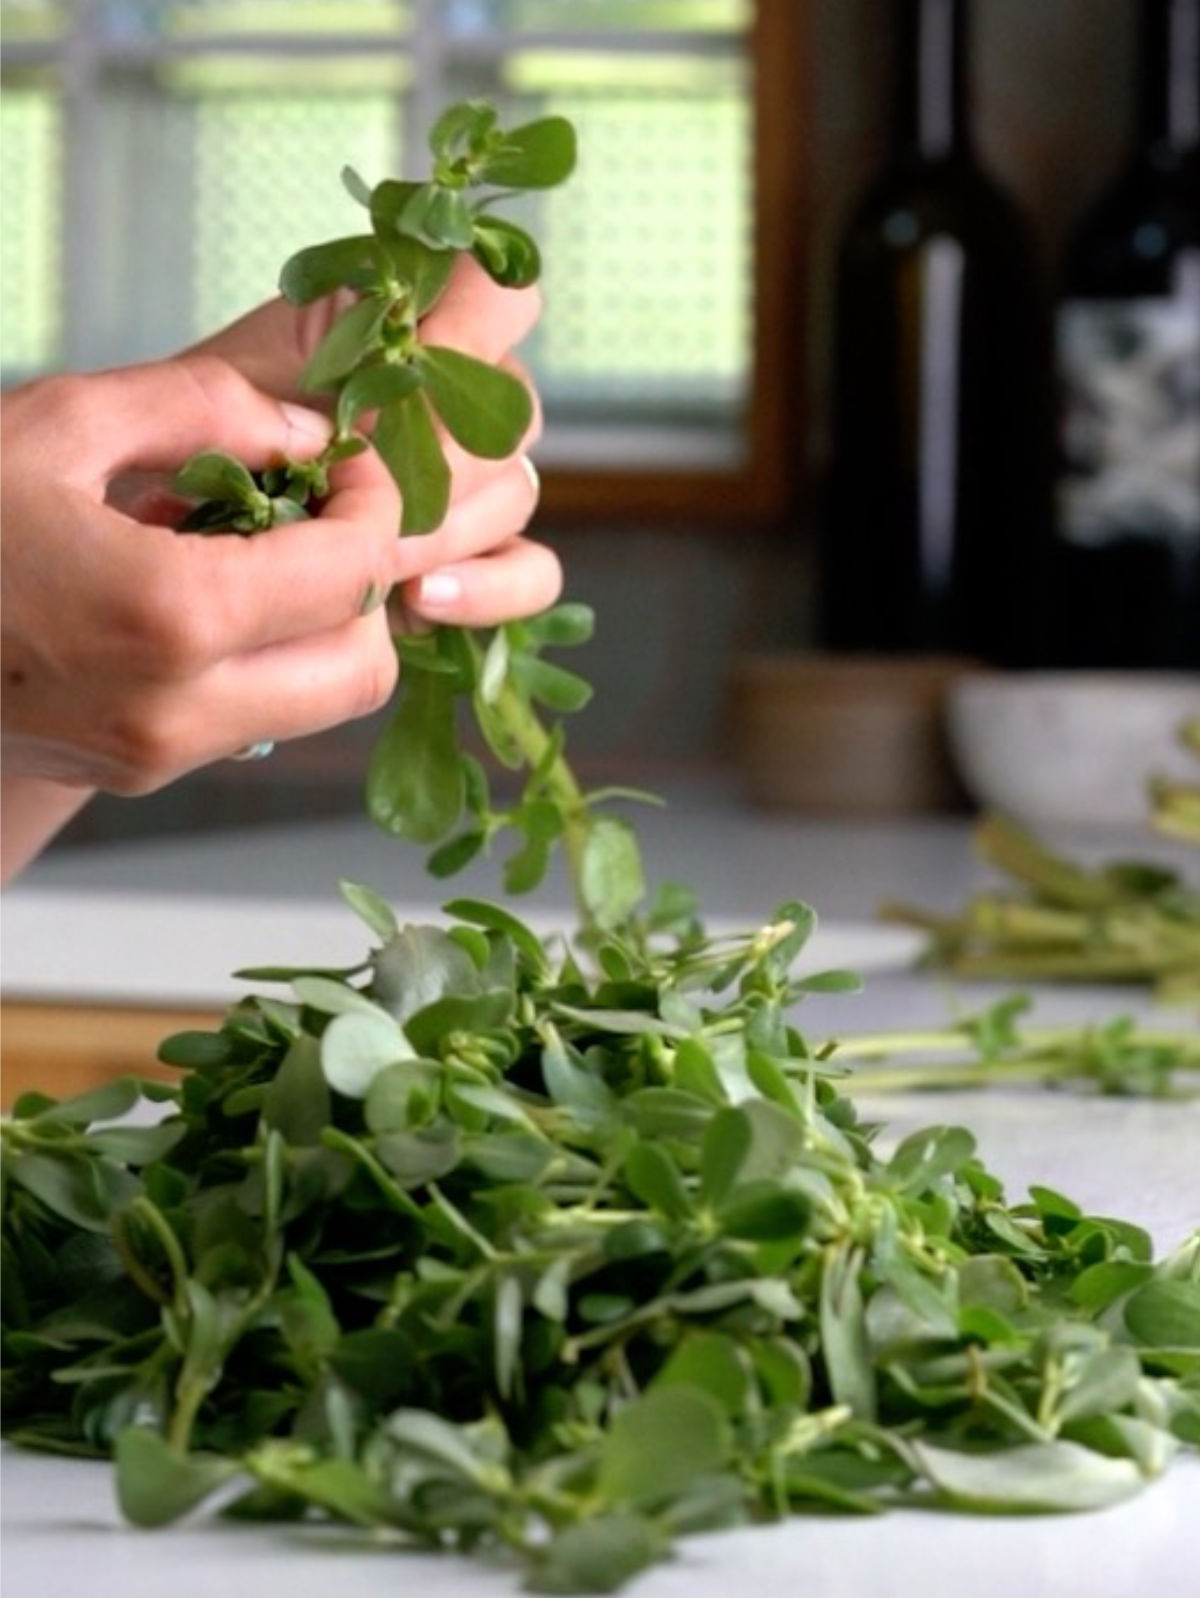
{"points": [[675, 606]]}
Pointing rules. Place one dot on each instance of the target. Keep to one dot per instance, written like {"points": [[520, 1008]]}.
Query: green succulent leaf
{"points": [[213, 474], [353, 338], [156, 1484], [319, 269], [415, 785], [356, 186], [407, 440], [437, 217], [611, 879], [426, 271], [550, 685], [538, 155], [597, 1556], [370, 388], [660, 1444], [562, 626], [461, 129], [506, 252], [488, 411]]}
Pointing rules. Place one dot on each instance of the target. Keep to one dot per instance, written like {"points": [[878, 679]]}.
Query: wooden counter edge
{"points": [[63, 1049]]}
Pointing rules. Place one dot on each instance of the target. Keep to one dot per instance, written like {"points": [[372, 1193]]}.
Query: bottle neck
{"points": [[931, 98], [1169, 75]]}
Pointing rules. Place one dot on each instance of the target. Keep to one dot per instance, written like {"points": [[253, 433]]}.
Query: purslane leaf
{"points": [[415, 785], [538, 155], [351, 339], [372, 387], [319, 269], [611, 879], [461, 128], [488, 411], [597, 1556], [437, 217], [157, 1484], [426, 271], [356, 186], [213, 474], [506, 252], [660, 1444], [407, 440]]}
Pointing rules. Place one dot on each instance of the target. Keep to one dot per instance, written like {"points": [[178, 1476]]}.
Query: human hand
{"points": [[133, 654], [478, 568]]}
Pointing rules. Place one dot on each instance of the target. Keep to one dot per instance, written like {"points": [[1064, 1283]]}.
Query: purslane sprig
{"points": [[1056, 919], [374, 361]]}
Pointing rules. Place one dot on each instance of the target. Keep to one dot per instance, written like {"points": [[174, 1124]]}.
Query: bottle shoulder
{"points": [[910, 203], [1137, 225]]}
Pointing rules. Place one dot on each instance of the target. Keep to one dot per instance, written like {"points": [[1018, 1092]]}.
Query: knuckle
{"points": [[62, 404], [169, 630], [146, 751], [376, 680], [218, 384]]}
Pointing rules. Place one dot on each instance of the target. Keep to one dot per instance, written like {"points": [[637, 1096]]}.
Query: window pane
{"points": [[210, 172], [30, 200], [267, 174], [648, 247], [134, 18], [568, 16]]}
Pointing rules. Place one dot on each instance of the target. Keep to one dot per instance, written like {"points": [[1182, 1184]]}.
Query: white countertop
{"points": [[170, 918], [62, 1537], [741, 860]]}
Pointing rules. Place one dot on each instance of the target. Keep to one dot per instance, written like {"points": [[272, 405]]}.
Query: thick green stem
{"points": [[189, 1395], [882, 1045], [527, 733]]}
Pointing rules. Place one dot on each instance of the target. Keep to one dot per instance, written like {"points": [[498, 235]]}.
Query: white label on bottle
{"points": [[1130, 373]]}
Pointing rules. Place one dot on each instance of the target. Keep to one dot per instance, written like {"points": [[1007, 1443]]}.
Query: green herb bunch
{"points": [[1057, 920], [1175, 802], [374, 364], [479, 1251]]}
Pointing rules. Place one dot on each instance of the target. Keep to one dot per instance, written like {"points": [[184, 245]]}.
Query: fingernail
{"points": [[311, 424], [439, 591], [533, 475]]}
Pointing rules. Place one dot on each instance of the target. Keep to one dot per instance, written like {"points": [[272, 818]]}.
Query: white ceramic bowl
{"points": [[1070, 748]]}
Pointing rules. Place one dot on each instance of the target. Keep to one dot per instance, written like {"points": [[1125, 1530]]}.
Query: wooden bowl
{"points": [[845, 735]]}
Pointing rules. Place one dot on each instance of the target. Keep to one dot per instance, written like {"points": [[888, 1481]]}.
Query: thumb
{"points": [[154, 417], [272, 344]]}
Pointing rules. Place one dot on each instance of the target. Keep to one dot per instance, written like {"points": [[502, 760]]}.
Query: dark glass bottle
{"points": [[1125, 559], [939, 480]]}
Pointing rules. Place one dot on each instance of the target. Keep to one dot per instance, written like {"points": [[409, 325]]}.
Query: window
{"points": [[162, 157]]}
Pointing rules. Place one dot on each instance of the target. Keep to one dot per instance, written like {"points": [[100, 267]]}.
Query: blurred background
{"points": [[162, 157]]}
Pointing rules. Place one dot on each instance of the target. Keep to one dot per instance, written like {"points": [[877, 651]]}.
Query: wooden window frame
{"points": [[764, 488]]}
